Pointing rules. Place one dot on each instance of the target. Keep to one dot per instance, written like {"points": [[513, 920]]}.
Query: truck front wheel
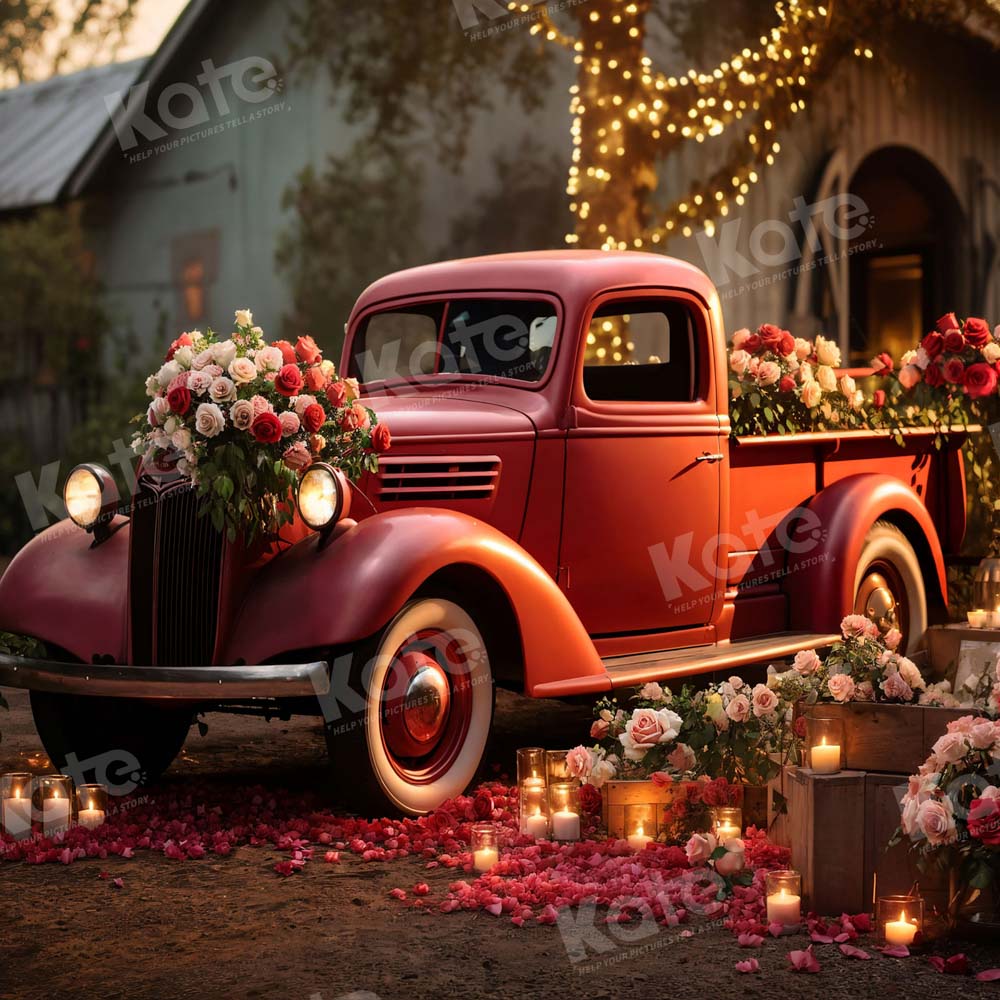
{"points": [[428, 695], [889, 585], [118, 742]]}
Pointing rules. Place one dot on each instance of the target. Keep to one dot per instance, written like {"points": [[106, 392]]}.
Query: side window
{"points": [[642, 351]]}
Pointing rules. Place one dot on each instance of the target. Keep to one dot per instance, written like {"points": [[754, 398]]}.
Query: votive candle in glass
{"points": [[564, 806], [485, 850], [532, 791], [977, 618], [640, 824], [899, 919], [784, 899], [556, 767], [727, 823], [91, 806], [55, 792], [15, 804], [825, 738]]}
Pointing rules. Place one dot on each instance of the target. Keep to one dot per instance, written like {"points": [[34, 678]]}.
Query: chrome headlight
{"points": [[322, 497], [89, 492]]}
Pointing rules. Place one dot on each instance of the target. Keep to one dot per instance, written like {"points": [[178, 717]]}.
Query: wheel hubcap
{"points": [[881, 597], [425, 707]]}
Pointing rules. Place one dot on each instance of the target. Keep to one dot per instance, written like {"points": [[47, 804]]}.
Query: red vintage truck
{"points": [[548, 519]]}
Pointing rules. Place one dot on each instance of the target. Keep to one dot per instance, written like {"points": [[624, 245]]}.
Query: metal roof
{"points": [[47, 128]]}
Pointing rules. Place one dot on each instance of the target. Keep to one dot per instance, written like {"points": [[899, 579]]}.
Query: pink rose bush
{"points": [[233, 416], [951, 809]]}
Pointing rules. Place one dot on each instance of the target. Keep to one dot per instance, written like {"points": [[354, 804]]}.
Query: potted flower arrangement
{"points": [[244, 418], [951, 814]]}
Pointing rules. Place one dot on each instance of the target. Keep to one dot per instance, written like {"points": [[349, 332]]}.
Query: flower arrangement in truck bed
{"points": [[951, 809], [244, 418]]}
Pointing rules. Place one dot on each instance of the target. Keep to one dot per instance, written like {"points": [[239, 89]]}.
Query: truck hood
{"points": [[425, 417]]}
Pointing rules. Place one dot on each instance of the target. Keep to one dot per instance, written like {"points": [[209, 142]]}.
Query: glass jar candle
{"points": [[784, 899], [15, 804], [533, 803], [564, 808], [727, 823], [640, 824], [899, 919], [485, 846], [91, 806], [825, 741], [54, 801], [556, 768]]}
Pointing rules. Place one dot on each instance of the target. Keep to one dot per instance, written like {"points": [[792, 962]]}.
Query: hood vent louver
{"points": [[438, 478]]}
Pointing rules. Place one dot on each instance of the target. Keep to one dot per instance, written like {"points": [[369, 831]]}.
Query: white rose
{"points": [[921, 359], [847, 386], [152, 386], [170, 425], [268, 359], [857, 400], [811, 394], [827, 352], [908, 358], [222, 390], [209, 420], [181, 439], [601, 772], [991, 353], [203, 360], [802, 348], [827, 378], [244, 317], [909, 376], [223, 353], [184, 356], [242, 370], [168, 373]]}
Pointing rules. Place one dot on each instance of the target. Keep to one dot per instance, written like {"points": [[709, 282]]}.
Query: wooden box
{"points": [[619, 794], [890, 739]]}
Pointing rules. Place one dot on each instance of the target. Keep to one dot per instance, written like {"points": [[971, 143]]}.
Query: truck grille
{"points": [[175, 570], [433, 479]]}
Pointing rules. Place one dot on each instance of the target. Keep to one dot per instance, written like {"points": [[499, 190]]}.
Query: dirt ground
{"points": [[231, 928]]}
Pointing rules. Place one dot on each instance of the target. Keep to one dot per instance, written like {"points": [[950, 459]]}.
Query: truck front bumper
{"points": [[214, 684]]}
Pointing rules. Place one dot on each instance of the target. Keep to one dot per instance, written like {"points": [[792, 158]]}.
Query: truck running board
{"points": [[639, 668]]}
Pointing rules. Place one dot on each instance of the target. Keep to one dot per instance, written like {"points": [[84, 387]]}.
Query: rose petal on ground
{"points": [[750, 965], [804, 961], [895, 951], [821, 938], [749, 940], [851, 952], [988, 975]]}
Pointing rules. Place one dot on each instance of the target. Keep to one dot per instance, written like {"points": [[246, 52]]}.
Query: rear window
{"points": [[484, 337]]}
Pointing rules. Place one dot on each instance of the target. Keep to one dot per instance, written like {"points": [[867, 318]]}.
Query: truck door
{"points": [[644, 463]]}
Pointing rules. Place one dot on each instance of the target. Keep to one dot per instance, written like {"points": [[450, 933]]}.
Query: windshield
{"points": [[487, 337]]}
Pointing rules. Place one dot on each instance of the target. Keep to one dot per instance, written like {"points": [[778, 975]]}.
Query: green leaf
{"points": [[224, 487]]}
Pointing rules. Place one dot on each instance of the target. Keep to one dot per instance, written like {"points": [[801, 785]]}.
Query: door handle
{"points": [[706, 456]]}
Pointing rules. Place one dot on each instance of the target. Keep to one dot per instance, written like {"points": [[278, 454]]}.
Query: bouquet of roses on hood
{"points": [[243, 419], [863, 666], [951, 809], [780, 384]]}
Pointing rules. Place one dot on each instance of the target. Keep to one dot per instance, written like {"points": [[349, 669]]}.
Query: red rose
{"points": [[878, 398], [184, 340], [954, 371], [354, 418], [882, 364], [266, 428], [980, 380], [977, 331], [954, 342], [315, 379], [787, 344], [336, 393], [287, 351], [752, 344], [933, 376], [307, 351], [179, 399], [313, 417], [787, 384], [949, 321], [933, 344], [288, 381], [984, 821], [770, 336], [591, 800], [381, 438], [482, 804]]}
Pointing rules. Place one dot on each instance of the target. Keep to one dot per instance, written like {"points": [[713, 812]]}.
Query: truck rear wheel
{"points": [[428, 709], [112, 741], [889, 585]]}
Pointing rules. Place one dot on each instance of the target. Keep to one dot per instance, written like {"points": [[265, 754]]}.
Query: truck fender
{"points": [[68, 594], [315, 596], [828, 542]]}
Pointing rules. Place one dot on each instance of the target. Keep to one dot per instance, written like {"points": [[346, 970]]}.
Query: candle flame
{"points": [[17, 793], [822, 742], [902, 916], [638, 830], [782, 893]]}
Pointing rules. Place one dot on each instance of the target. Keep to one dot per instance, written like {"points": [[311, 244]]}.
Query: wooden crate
{"points": [[618, 794], [890, 739], [826, 824]]}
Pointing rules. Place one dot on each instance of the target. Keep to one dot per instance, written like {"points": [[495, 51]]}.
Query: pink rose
{"points": [[648, 727], [936, 821], [740, 338], [841, 687], [651, 691], [598, 729], [260, 405], [289, 423], [739, 708], [764, 701], [894, 687], [733, 860], [893, 638], [297, 456], [682, 758], [951, 747], [768, 373], [241, 414], [699, 848], [982, 735], [579, 762], [864, 691], [806, 662], [858, 627]]}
